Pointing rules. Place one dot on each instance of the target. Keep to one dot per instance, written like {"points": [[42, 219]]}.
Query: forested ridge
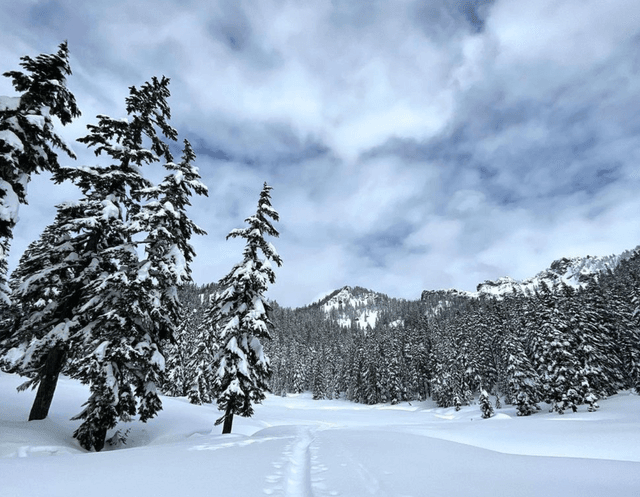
{"points": [[558, 344]]}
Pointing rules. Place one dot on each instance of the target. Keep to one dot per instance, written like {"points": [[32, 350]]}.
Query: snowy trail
{"points": [[298, 480], [295, 471]]}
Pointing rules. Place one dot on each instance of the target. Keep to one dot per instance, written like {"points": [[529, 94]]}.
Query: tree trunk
{"points": [[48, 382], [100, 436], [228, 420]]}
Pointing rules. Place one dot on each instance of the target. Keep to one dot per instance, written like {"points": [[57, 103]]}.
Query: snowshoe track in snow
{"points": [[297, 472]]}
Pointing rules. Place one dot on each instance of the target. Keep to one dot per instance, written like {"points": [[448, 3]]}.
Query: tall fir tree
{"points": [[200, 360], [631, 338], [522, 384], [557, 363], [45, 292], [28, 136], [122, 338], [239, 318], [167, 248], [598, 350]]}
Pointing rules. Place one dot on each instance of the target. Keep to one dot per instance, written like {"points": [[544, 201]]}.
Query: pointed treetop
{"points": [[122, 139], [259, 225], [187, 175], [43, 84], [149, 107]]}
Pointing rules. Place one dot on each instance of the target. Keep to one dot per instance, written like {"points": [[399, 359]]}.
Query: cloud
{"points": [[411, 145], [571, 33]]}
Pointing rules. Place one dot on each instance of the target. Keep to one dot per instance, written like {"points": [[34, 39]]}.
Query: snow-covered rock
{"points": [[572, 271]]}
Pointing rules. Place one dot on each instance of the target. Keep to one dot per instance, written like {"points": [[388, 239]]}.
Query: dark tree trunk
{"points": [[228, 420], [48, 382], [100, 438]]}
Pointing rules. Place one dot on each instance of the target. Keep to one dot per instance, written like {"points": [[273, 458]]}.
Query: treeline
{"points": [[559, 345], [562, 346]]}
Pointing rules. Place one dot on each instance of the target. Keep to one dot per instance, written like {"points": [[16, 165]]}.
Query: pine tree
{"points": [[521, 379], [624, 303], [631, 337], [485, 404], [457, 402], [395, 390], [167, 248], [371, 376], [558, 365], [179, 377], [299, 379], [122, 356], [446, 381], [175, 382], [45, 294], [27, 136], [319, 387], [598, 351], [240, 314], [200, 361]]}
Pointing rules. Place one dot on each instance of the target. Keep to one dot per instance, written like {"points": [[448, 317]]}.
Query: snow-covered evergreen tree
{"points": [[371, 375], [521, 379], [201, 374], [631, 337], [557, 363], [176, 381], [167, 248], [485, 404], [28, 137], [457, 403], [122, 358], [396, 390], [45, 294], [299, 380], [240, 318], [599, 352], [319, 383], [179, 376]]}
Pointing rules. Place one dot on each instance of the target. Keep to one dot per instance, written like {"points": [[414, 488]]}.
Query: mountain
{"points": [[573, 271], [357, 306], [364, 308]]}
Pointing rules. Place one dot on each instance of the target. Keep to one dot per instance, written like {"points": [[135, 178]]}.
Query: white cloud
{"points": [[406, 151], [574, 33]]}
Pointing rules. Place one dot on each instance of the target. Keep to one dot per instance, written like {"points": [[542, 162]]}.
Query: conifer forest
{"points": [[559, 345]]}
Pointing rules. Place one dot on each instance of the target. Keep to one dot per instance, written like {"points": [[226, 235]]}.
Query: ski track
{"points": [[297, 472]]}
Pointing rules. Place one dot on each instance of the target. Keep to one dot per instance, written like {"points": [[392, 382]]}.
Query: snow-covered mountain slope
{"points": [[573, 271], [353, 306], [347, 296], [363, 307]]}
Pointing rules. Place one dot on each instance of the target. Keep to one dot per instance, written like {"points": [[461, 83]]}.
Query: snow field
{"points": [[295, 446]]}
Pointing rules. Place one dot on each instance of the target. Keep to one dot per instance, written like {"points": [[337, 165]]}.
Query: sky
{"points": [[411, 145]]}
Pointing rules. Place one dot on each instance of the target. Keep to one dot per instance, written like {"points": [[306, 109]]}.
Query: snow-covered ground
{"points": [[296, 446]]}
